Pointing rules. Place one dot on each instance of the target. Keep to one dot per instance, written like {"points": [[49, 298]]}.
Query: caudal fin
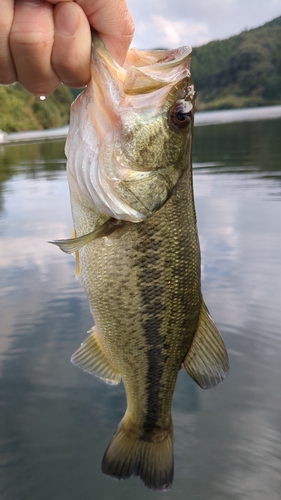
{"points": [[128, 455]]}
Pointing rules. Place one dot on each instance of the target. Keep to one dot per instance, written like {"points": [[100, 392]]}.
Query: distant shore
{"points": [[237, 115], [34, 135], [202, 118]]}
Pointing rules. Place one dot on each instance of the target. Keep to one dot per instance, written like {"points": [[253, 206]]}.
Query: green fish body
{"points": [[130, 178]]}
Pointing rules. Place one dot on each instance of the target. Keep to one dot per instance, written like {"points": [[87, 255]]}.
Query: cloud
{"points": [[171, 24], [160, 31], [175, 33]]}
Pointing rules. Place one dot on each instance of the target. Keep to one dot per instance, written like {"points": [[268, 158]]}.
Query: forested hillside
{"points": [[20, 110], [242, 71]]}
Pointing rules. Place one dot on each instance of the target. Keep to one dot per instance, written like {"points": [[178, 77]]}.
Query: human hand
{"points": [[43, 43]]}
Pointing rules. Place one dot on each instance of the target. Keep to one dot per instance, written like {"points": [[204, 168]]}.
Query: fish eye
{"points": [[178, 117]]}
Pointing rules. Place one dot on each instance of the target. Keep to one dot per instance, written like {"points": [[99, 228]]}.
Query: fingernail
{"points": [[66, 19]]}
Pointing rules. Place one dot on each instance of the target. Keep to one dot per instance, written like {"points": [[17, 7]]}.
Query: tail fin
{"points": [[129, 455]]}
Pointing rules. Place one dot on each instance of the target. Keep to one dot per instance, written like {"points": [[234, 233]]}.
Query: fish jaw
{"points": [[126, 141]]}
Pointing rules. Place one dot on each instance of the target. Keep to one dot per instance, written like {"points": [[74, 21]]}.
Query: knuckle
{"points": [[41, 88], [71, 76], [24, 35], [6, 78]]}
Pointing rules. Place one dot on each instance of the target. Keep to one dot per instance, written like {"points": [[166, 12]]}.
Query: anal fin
{"points": [[207, 360], [91, 357]]}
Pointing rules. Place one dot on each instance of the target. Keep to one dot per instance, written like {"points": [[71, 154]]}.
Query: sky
{"points": [[172, 23]]}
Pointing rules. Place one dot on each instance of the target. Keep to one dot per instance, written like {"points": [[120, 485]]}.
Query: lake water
{"points": [[55, 420]]}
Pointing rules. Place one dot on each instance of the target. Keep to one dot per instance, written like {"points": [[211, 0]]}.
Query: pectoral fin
{"points": [[207, 361], [91, 357], [73, 244]]}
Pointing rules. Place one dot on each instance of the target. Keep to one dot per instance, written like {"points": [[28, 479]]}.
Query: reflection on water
{"points": [[55, 420]]}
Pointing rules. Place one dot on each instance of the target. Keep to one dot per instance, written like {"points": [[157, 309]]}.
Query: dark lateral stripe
{"points": [[152, 310], [156, 358]]}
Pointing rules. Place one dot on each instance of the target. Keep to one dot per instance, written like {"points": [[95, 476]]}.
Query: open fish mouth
{"points": [[147, 70]]}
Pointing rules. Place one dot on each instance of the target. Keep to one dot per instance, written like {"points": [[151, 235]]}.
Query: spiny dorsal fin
{"points": [[91, 357], [207, 361]]}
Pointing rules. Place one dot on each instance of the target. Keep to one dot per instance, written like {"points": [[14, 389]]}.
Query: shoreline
{"points": [[33, 135], [202, 118], [223, 116]]}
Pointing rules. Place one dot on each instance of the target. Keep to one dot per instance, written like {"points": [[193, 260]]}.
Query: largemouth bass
{"points": [[130, 178]]}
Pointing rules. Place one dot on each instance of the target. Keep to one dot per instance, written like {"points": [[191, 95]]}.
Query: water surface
{"points": [[55, 420]]}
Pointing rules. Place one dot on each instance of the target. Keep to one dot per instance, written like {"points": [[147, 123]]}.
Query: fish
{"points": [[129, 169]]}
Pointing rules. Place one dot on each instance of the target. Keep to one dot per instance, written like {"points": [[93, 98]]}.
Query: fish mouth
{"points": [[145, 71], [145, 81]]}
